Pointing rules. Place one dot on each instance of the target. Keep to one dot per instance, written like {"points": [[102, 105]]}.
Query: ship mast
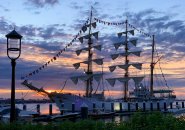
{"points": [[152, 67], [89, 74], [126, 77], [126, 62], [89, 65]]}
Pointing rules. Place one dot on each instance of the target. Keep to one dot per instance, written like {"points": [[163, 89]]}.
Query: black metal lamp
{"points": [[13, 52]]}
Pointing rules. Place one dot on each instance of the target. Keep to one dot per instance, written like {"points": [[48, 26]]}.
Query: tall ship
{"points": [[139, 95]]}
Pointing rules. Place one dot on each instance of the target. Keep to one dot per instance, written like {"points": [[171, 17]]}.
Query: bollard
{"points": [[84, 111], [158, 106], [103, 106], [94, 107], [151, 106], [38, 108], [50, 109], [136, 106], [144, 106], [165, 106], [24, 107], [128, 106], [73, 107], [171, 105], [112, 107], [120, 107], [182, 104]]}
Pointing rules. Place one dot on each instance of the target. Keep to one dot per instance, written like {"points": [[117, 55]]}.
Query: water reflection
{"points": [[44, 107]]}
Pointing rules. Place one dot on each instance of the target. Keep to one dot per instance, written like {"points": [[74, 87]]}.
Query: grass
{"points": [[154, 121]]}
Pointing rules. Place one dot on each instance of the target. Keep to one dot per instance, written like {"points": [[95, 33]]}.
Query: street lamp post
{"points": [[13, 52]]}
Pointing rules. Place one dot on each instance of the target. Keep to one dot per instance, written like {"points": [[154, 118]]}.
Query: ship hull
{"points": [[66, 100]]}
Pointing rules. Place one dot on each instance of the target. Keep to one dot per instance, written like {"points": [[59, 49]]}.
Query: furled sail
{"points": [[96, 77], [95, 34], [97, 61], [112, 81], [114, 56], [117, 45], [130, 31], [98, 47], [125, 66]]}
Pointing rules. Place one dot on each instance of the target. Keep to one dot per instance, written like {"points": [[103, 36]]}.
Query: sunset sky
{"points": [[47, 26]]}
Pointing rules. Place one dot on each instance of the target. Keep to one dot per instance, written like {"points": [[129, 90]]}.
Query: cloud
{"points": [[41, 3], [4, 8]]}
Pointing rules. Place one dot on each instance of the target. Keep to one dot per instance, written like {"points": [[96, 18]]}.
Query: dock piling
{"points": [[50, 109], [62, 109], [128, 107], [112, 107], [171, 105], [144, 106], [165, 109], [158, 106], [73, 107], [120, 107], [182, 104], [94, 107], [38, 108], [24, 107], [137, 106], [151, 106], [103, 106], [84, 111]]}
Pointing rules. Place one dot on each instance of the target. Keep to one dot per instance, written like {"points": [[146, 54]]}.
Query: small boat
{"points": [[22, 115]]}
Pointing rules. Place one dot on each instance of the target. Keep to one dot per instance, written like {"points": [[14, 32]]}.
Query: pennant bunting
{"points": [[81, 39], [137, 80], [74, 79], [76, 65], [97, 77], [84, 28], [134, 42], [98, 61], [111, 81], [119, 35], [114, 56], [112, 68], [78, 52], [98, 47], [95, 35], [94, 25]]}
